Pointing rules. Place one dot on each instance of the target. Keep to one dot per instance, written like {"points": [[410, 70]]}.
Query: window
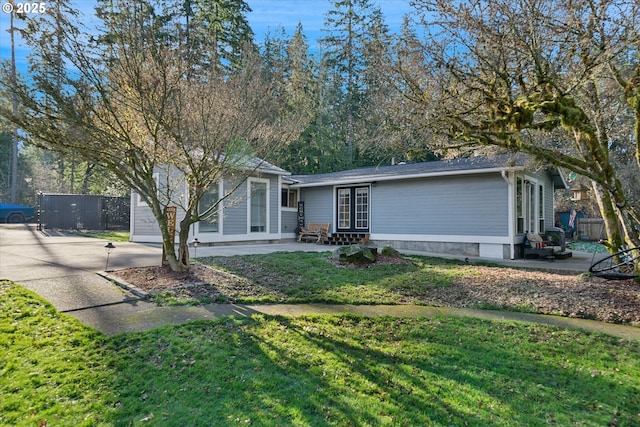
{"points": [[362, 208], [209, 222], [344, 208], [529, 205], [289, 198], [519, 206], [258, 206], [530, 212]]}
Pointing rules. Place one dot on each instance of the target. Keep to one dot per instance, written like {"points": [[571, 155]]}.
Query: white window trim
{"points": [[536, 202], [335, 201], [268, 213], [219, 213], [288, 208]]}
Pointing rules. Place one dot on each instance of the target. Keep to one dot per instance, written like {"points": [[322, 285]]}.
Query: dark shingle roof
{"points": [[414, 170], [264, 166]]}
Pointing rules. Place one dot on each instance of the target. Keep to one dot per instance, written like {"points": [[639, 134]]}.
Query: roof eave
{"points": [[559, 181], [273, 172], [362, 180]]}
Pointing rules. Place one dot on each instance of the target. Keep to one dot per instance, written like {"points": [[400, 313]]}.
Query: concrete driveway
{"points": [[63, 269]]}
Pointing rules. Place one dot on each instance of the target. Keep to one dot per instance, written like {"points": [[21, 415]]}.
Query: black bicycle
{"points": [[619, 266]]}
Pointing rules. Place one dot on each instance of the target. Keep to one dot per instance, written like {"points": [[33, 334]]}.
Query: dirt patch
{"points": [[579, 296], [482, 287], [201, 283]]}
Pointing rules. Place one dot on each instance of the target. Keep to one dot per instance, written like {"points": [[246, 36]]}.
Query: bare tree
{"points": [[129, 102], [558, 80]]}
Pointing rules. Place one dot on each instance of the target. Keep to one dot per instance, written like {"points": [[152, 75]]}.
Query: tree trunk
{"points": [[610, 217], [618, 224], [168, 246], [183, 242]]}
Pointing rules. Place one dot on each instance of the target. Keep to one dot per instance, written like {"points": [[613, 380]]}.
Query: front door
{"points": [[353, 209]]}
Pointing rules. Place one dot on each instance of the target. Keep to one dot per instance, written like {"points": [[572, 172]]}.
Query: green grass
{"points": [[169, 299], [589, 247], [297, 277], [53, 370], [114, 236], [310, 371]]}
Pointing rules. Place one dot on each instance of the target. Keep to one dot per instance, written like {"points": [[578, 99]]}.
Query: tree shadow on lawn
{"points": [[456, 372], [351, 370]]}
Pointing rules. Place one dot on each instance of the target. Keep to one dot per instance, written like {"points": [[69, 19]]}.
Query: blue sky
{"points": [[267, 15]]}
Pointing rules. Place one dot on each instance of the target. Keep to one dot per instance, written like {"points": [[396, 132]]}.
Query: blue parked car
{"points": [[11, 213]]}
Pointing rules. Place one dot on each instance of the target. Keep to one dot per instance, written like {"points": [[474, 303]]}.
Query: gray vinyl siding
{"points": [[273, 203], [236, 211], [289, 221], [234, 214], [466, 205], [318, 205], [144, 223]]}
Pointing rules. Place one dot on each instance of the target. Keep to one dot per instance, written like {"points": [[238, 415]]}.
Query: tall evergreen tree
{"points": [[315, 150], [220, 28], [348, 25]]}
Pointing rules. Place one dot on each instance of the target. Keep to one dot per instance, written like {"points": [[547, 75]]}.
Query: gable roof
{"points": [[464, 166], [266, 167]]}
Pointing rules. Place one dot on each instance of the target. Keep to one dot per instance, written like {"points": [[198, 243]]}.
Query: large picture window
{"points": [[209, 222], [258, 206]]}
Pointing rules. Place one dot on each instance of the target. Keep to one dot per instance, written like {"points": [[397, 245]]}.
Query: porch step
{"points": [[347, 239]]}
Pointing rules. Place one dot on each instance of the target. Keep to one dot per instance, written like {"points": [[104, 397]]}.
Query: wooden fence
{"points": [[591, 229]]}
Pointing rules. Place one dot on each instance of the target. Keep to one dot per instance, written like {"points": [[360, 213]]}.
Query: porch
{"points": [[347, 239]]}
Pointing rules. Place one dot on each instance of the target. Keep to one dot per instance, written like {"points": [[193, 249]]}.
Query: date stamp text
{"points": [[24, 8]]}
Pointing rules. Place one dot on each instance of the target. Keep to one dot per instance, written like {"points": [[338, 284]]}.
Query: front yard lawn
{"points": [[310, 371], [301, 277]]}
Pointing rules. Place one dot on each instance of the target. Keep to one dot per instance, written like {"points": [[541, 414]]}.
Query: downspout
{"points": [[279, 196], [511, 214]]}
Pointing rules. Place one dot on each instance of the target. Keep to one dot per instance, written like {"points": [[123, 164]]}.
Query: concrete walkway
{"points": [[63, 270]]}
